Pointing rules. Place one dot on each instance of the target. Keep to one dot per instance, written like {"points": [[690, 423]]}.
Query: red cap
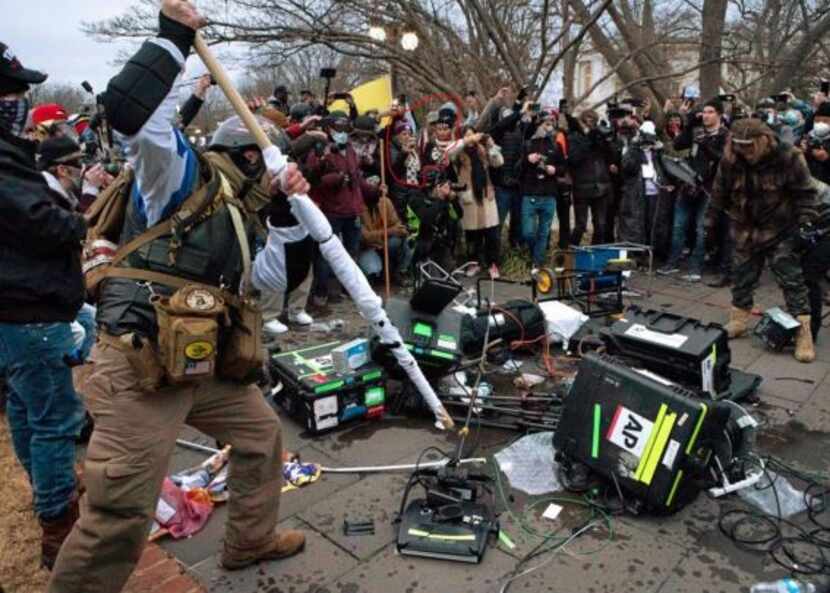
{"points": [[48, 112]]}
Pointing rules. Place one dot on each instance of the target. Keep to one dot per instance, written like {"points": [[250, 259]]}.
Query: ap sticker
{"points": [[629, 431]]}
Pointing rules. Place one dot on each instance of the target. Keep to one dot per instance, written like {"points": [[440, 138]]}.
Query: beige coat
{"points": [[477, 216]]}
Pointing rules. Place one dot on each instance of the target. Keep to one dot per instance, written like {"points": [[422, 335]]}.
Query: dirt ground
{"points": [[20, 570]]}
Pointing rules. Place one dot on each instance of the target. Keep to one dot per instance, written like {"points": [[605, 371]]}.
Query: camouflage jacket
{"points": [[767, 200]]}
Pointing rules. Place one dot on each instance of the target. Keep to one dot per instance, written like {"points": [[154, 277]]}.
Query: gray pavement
{"points": [[682, 553]]}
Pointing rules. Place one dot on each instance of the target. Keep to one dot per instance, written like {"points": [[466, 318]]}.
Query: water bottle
{"points": [[784, 586]]}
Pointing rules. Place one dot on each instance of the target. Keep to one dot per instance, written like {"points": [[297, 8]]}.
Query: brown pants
{"points": [[128, 458]]}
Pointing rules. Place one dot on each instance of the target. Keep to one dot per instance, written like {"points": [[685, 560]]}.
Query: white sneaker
{"points": [[274, 327], [691, 277], [300, 318]]}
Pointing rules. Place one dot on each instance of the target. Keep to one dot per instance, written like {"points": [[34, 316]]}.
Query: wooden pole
{"points": [[383, 216], [237, 102]]}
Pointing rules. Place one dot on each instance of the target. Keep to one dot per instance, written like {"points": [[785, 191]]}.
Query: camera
{"points": [[328, 72]]}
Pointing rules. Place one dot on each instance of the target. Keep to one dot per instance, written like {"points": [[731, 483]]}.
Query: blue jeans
{"points": [[86, 317], [509, 201], [688, 212], [538, 213], [43, 410], [400, 257], [348, 229]]}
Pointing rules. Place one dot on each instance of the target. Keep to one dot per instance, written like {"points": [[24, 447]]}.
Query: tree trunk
{"points": [[714, 17]]}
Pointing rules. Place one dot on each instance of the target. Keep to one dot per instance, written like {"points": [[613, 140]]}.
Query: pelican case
{"points": [[650, 436], [682, 349], [315, 394]]}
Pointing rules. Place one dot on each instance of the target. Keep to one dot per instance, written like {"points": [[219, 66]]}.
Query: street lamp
{"points": [[409, 41], [377, 33]]}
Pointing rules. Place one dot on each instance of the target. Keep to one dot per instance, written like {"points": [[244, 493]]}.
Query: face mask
{"points": [[340, 138], [13, 114], [77, 182], [249, 169]]}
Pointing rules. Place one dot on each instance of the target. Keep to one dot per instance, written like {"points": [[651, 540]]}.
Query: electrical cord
{"points": [[796, 548]]}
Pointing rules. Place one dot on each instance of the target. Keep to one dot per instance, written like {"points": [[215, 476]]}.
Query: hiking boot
{"points": [[691, 277], [284, 543], [737, 325], [804, 350], [56, 530]]}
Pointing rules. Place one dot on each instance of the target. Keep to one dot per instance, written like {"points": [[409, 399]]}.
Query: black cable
{"points": [[797, 549]]}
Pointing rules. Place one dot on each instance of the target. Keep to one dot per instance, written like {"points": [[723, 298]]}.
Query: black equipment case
{"points": [[682, 349], [433, 339], [651, 436], [321, 398]]}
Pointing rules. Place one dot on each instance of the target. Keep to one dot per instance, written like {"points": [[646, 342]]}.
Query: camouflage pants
{"points": [[785, 263]]}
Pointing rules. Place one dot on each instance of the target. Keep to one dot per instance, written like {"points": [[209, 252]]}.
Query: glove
{"points": [[807, 236], [275, 161]]}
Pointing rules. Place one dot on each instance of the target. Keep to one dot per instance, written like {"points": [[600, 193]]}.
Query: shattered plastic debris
{"points": [[529, 464], [768, 497], [327, 326]]}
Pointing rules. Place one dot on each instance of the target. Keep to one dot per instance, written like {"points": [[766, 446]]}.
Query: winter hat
{"points": [[400, 127], [447, 116], [648, 128], [744, 131], [365, 124], [59, 151], [432, 117]]}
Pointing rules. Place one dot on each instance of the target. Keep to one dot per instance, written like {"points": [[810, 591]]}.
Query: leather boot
{"points": [[738, 319], [284, 543], [54, 532], [804, 351]]}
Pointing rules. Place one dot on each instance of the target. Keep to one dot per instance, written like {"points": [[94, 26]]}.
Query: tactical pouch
{"points": [[188, 335], [242, 353], [143, 358]]}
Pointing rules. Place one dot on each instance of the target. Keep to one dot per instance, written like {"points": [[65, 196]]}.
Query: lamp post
{"points": [[408, 39]]}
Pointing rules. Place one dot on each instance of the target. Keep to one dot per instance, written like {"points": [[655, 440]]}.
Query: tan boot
{"points": [[285, 543], [804, 351], [738, 319]]}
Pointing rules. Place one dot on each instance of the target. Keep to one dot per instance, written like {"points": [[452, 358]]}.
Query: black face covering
{"points": [[249, 169]]}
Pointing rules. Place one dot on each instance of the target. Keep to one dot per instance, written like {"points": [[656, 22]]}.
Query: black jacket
{"points": [[532, 178], [508, 134], [40, 242], [706, 149], [818, 169], [590, 157]]}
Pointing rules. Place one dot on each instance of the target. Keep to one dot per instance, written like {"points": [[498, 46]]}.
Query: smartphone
{"points": [[328, 72], [825, 87], [727, 98]]}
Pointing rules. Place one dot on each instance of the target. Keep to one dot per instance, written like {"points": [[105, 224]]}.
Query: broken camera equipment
{"points": [[777, 329], [450, 522]]}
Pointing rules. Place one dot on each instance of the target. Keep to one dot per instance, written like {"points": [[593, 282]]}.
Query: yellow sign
{"points": [[198, 350], [373, 95]]}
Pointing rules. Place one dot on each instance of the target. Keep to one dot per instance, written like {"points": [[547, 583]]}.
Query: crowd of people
{"points": [[701, 184]]}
